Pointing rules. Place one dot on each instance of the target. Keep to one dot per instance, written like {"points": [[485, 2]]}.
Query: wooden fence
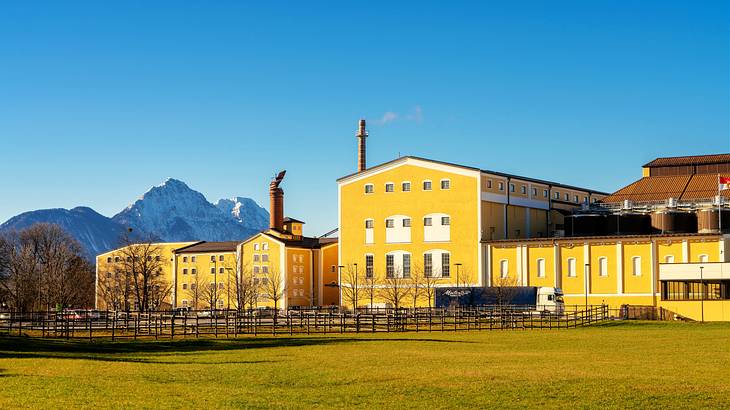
{"points": [[160, 325]]}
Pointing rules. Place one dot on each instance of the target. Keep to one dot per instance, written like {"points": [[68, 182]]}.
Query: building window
{"points": [[185, 258], [185, 271], [193, 271], [445, 184], [636, 265], [109, 260], [489, 183], [184, 303], [192, 259], [212, 258], [523, 189], [264, 258], [265, 246], [571, 268], [116, 259], [256, 246], [369, 224], [220, 258], [390, 223], [185, 286], [406, 186], [265, 269], [445, 220], [445, 265], [603, 266], [369, 266], [541, 268], [534, 191], [501, 186], [512, 187], [389, 265], [221, 270], [406, 222], [556, 195], [575, 198], [585, 199], [567, 197], [256, 257], [427, 221], [389, 187], [255, 269], [406, 265], [212, 270], [503, 268], [427, 264], [193, 286], [704, 258], [544, 193], [426, 185], [369, 188], [669, 259]]}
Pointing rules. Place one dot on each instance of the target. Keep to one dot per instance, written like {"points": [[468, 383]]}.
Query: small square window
{"points": [[512, 187], [556, 195], [389, 223], [212, 270], [389, 187], [192, 259], [489, 183], [369, 224], [265, 246], [369, 189], [185, 258], [265, 258], [109, 260], [523, 189], [185, 271], [567, 197], [221, 270], [255, 246], [406, 186], [501, 186], [426, 185], [220, 258], [193, 271], [445, 184], [427, 221], [406, 222], [445, 220], [212, 258]]}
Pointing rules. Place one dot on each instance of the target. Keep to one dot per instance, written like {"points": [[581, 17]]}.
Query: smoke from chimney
{"points": [[361, 135], [276, 203]]}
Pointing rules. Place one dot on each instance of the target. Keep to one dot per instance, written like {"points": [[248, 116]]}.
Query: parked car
{"points": [[5, 315]]}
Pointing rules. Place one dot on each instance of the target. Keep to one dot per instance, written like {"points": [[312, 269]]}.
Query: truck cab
{"points": [[550, 300]]}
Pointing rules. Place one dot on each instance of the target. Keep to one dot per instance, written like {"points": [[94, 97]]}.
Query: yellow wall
{"points": [[574, 284], [460, 202], [516, 223], [105, 263], [275, 253], [534, 253], [608, 283], [299, 277], [699, 247], [330, 295], [492, 220], [637, 283], [224, 277]]}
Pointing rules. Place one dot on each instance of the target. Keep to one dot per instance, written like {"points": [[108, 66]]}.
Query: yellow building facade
{"points": [[416, 216]]}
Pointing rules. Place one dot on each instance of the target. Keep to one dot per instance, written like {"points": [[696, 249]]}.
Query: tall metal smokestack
{"points": [[362, 134], [276, 203]]}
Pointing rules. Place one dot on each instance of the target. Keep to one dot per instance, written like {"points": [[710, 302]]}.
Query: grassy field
{"points": [[617, 365]]}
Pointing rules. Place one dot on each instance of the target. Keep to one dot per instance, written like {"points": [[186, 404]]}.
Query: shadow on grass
{"points": [[14, 347]]}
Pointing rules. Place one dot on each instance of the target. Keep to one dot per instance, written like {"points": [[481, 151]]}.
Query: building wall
{"points": [[298, 277], [105, 264], [211, 268], [330, 294], [275, 267], [460, 202]]}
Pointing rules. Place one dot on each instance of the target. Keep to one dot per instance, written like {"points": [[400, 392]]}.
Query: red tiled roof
{"points": [[689, 160]]}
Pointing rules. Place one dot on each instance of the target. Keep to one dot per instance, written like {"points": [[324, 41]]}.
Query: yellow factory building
{"points": [[656, 242]]}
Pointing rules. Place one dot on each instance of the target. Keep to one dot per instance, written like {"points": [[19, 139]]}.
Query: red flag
{"points": [[723, 183]]}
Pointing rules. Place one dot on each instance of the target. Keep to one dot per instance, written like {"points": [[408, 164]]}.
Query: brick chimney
{"points": [[361, 135], [276, 203]]}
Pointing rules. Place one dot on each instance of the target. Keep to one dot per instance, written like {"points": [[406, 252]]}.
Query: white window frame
{"points": [[369, 189], [603, 267], [704, 258], [669, 259], [403, 186], [636, 266], [430, 183], [504, 268], [572, 265], [390, 185], [540, 267], [448, 184]]}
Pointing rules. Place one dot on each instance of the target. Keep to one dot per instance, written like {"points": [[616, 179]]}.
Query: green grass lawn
{"points": [[616, 365]]}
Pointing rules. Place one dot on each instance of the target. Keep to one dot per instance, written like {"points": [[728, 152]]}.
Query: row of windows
{"points": [[523, 190], [158, 272], [262, 258], [404, 270], [297, 258], [185, 303], [406, 222], [405, 186], [212, 258], [261, 246], [117, 259], [262, 269], [571, 267], [695, 290], [193, 286]]}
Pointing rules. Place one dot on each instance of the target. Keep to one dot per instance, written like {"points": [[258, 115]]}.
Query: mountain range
{"points": [[171, 212]]}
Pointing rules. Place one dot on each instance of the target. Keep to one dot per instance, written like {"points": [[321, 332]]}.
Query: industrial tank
{"points": [[592, 224], [708, 220], [628, 223], [672, 221]]}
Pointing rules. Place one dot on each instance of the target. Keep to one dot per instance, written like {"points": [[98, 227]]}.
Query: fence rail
{"points": [[169, 325]]}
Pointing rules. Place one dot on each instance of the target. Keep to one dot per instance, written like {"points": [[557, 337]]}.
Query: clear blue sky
{"points": [[100, 101]]}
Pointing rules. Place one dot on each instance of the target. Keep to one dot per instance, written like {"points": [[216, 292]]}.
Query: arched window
{"points": [[398, 264], [602, 266], [636, 265], [541, 268], [398, 229], [504, 268], [571, 268], [437, 227], [704, 258], [437, 262]]}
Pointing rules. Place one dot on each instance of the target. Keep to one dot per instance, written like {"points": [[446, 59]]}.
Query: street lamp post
{"points": [[228, 289], [339, 280], [458, 265], [586, 271], [702, 293], [215, 284], [355, 307]]}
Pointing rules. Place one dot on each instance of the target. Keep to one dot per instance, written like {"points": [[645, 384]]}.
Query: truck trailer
{"points": [[542, 299]]}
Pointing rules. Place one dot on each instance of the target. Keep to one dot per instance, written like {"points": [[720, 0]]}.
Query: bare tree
{"points": [[370, 288], [395, 288], [209, 294], [141, 263], [41, 267], [350, 285], [273, 288], [195, 291], [505, 289]]}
